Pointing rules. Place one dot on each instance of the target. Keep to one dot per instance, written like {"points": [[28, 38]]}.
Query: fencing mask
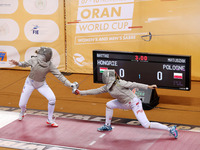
{"points": [[108, 76], [45, 51]]}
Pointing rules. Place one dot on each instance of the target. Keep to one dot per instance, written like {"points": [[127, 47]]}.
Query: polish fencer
{"points": [[40, 66], [124, 99]]}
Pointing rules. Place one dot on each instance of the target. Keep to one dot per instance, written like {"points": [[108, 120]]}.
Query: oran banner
{"points": [[25, 25], [163, 27]]}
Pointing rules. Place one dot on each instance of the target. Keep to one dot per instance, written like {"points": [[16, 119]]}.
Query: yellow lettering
{"points": [[91, 27], [115, 11], [95, 13], [83, 27], [114, 25], [125, 24], [85, 13], [120, 25], [97, 27], [105, 13]]}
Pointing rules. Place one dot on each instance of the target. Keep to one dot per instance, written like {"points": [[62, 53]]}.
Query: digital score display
{"points": [[166, 71]]}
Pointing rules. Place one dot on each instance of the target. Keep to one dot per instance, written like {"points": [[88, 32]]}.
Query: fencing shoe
{"points": [[174, 131], [21, 115], [52, 123], [105, 128]]}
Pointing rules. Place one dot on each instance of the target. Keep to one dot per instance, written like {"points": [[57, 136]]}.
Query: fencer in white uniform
{"points": [[40, 66], [124, 99]]}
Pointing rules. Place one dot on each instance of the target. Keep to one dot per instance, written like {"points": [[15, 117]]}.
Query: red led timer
{"points": [[141, 58]]}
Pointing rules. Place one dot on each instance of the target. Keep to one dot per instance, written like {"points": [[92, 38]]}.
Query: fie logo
{"points": [[35, 29], [3, 56]]}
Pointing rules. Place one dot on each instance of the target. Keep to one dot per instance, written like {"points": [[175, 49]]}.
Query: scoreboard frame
{"points": [[171, 71]]}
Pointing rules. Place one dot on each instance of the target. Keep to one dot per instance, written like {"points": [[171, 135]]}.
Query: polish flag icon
{"points": [[178, 75], [102, 69]]}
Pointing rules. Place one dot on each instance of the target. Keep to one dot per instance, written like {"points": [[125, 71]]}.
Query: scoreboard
{"points": [[166, 71]]}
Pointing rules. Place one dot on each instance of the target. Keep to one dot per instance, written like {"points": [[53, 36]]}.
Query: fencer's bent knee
{"points": [[52, 101], [145, 124], [108, 105]]}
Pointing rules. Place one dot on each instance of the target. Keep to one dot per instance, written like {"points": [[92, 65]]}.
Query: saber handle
{"points": [[74, 87]]}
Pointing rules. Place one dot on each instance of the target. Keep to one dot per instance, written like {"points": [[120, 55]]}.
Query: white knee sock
{"points": [[109, 114], [157, 125], [50, 111]]}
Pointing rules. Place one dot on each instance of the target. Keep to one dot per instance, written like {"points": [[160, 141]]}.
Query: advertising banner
{"points": [[150, 26], [26, 25]]}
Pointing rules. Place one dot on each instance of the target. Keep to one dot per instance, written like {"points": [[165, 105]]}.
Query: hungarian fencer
{"points": [[124, 99], [40, 66]]}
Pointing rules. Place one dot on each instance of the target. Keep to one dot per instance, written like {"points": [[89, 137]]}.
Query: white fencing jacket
{"points": [[120, 90], [39, 70]]}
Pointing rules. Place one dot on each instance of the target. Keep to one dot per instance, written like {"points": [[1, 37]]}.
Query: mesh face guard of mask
{"points": [[47, 52], [108, 76]]}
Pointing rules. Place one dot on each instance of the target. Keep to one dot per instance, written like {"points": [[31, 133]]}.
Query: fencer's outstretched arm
{"points": [[60, 76], [21, 64], [132, 85], [13, 62], [152, 86], [100, 90]]}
